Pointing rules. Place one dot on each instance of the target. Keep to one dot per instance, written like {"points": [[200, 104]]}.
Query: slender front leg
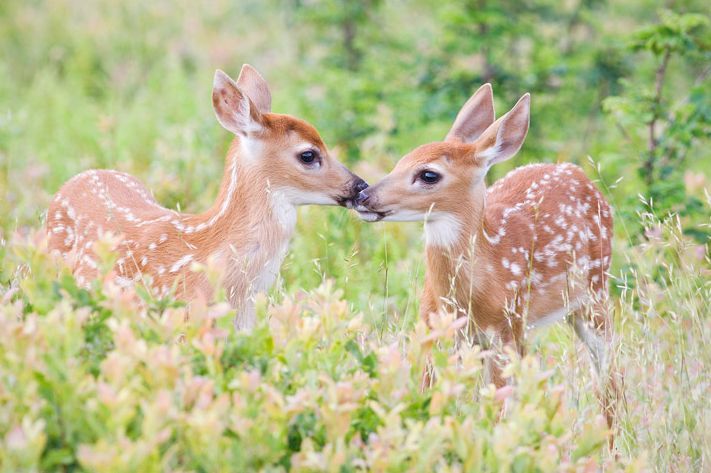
{"points": [[594, 329], [499, 358], [246, 316]]}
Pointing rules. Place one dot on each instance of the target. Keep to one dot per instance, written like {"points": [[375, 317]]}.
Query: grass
{"points": [[94, 380], [329, 380]]}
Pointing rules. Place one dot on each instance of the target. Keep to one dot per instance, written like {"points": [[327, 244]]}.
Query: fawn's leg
{"points": [[511, 337], [594, 328], [246, 316]]}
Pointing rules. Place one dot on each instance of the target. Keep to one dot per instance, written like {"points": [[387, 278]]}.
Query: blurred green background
{"points": [[127, 85]]}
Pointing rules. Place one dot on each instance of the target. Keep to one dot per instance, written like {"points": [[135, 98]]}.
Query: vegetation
{"points": [[330, 380]]}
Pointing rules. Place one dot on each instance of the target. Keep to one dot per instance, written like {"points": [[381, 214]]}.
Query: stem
{"points": [[483, 29], [349, 34], [652, 140]]}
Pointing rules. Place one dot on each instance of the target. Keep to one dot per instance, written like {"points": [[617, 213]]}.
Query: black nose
{"points": [[361, 198], [360, 185]]}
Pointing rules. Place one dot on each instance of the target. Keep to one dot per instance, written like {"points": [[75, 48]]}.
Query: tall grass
{"points": [[108, 380]]}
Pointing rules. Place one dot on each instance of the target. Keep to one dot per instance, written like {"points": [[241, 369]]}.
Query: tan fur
{"points": [[535, 244], [247, 229]]}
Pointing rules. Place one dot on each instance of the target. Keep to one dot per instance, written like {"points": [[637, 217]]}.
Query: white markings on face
{"points": [[365, 215], [407, 215], [301, 197], [251, 148]]}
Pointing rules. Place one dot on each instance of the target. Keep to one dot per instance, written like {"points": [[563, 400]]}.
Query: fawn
{"points": [[275, 163], [527, 252]]}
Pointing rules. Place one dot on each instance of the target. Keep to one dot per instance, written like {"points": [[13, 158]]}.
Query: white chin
{"points": [[368, 216], [405, 216], [299, 197]]}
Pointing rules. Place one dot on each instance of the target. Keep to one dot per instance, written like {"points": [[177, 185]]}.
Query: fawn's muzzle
{"points": [[357, 187], [362, 198], [362, 205]]}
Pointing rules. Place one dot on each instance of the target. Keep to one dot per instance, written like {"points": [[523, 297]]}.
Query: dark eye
{"points": [[429, 177], [308, 157]]}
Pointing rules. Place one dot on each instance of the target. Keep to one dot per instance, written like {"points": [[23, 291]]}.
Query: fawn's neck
{"points": [[246, 202], [457, 250], [248, 228]]}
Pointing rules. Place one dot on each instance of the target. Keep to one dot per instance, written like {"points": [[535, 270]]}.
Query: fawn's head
{"points": [[288, 152], [442, 179]]}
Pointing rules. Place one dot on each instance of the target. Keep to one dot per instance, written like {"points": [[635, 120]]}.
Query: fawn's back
{"points": [[548, 228], [116, 202]]}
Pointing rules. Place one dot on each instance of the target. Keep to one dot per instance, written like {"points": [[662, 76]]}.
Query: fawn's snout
{"points": [[363, 198], [350, 200], [359, 187], [367, 206]]}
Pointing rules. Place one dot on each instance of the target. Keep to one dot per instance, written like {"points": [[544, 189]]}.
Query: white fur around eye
{"points": [[305, 146], [430, 167], [316, 165]]}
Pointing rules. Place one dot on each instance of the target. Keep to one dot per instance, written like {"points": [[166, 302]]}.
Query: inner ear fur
{"points": [[251, 82], [475, 116], [503, 139], [233, 108]]}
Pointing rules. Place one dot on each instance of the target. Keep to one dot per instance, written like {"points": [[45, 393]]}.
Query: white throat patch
{"points": [[283, 209], [442, 230]]}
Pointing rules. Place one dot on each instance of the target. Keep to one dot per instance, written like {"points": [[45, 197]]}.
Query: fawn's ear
{"points": [[474, 117], [233, 108], [253, 84], [505, 136]]}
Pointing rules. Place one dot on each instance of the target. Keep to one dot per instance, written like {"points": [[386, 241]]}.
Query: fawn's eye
{"points": [[429, 177], [308, 156]]}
